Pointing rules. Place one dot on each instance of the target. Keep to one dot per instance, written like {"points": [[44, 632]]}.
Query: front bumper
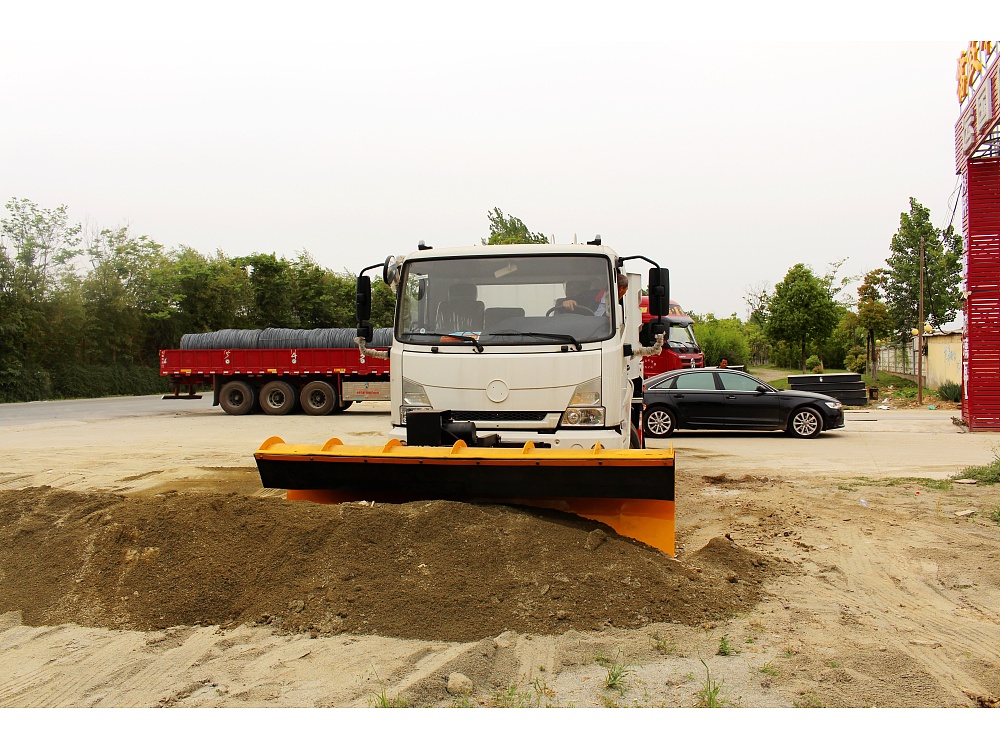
{"points": [[579, 439]]}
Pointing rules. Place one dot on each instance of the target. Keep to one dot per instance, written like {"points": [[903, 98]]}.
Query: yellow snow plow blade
{"points": [[632, 491]]}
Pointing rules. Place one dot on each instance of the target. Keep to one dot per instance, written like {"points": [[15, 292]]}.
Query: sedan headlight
{"points": [[834, 405]]}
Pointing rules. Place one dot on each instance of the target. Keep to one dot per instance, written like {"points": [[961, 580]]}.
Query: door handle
{"points": [[728, 398]]}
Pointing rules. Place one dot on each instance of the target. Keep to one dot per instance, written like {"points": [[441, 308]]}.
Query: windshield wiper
{"points": [[552, 336], [460, 336]]}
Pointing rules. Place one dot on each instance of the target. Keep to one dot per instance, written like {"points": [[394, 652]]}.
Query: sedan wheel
{"points": [[658, 422], [805, 423]]}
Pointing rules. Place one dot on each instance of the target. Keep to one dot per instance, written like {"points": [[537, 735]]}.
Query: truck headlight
{"points": [[414, 398], [589, 416], [585, 408], [414, 394], [587, 394]]}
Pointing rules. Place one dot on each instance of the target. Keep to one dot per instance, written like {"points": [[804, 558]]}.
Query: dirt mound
{"points": [[427, 570]]}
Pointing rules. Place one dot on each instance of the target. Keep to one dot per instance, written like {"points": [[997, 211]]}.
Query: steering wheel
{"points": [[578, 310]]}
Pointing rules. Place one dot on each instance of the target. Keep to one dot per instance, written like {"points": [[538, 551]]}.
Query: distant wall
{"points": [[942, 363], [944, 360]]}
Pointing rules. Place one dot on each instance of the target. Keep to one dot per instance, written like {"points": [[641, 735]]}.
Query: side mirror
{"points": [[659, 292], [364, 298], [389, 270], [761, 389]]}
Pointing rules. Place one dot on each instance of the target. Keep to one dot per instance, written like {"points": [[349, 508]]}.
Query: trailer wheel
{"points": [[318, 398], [277, 398], [237, 398]]}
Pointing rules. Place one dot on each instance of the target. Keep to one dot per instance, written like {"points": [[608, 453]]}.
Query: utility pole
{"points": [[920, 331]]}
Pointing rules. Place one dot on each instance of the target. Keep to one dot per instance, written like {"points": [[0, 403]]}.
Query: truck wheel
{"points": [[318, 398], [634, 441], [237, 398], [277, 398]]}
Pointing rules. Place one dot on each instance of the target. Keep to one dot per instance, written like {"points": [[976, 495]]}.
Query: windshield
{"points": [[506, 299], [682, 335]]}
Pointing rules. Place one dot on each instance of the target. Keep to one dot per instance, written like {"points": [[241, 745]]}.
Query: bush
{"points": [[856, 363], [813, 364], [950, 392], [856, 360], [18, 384], [97, 381], [722, 340], [80, 381]]}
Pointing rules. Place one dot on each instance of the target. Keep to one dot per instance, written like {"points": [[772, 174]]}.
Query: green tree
{"points": [[206, 293], [510, 230], [942, 272], [125, 306], [37, 248], [272, 285], [801, 310], [722, 339], [873, 315]]}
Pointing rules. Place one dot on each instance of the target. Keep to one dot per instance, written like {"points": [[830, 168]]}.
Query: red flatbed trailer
{"points": [[321, 381]]}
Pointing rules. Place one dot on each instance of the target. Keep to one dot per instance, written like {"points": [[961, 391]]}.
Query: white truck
{"points": [[529, 343]]}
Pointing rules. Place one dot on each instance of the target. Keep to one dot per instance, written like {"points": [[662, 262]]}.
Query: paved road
{"points": [[100, 441]]}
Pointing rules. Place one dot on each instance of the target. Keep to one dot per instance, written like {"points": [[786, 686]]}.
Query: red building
{"points": [[977, 150]]}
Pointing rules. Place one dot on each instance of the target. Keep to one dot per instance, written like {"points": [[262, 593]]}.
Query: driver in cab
{"points": [[584, 300]]}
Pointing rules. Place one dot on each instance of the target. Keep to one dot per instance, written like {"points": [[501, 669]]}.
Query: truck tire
{"points": [[318, 398], [277, 398], [237, 398], [634, 440]]}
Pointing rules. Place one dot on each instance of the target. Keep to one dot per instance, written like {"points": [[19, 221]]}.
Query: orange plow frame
{"points": [[632, 491]]}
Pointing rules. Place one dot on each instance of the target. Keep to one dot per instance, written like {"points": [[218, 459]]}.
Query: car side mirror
{"points": [[761, 389]]}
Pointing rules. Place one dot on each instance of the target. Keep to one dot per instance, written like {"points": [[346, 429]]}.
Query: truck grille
{"points": [[498, 416]]}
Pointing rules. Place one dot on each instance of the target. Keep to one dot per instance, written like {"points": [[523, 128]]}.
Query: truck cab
{"points": [[680, 348], [528, 342]]}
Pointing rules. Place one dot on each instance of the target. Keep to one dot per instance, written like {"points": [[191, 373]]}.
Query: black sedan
{"points": [[720, 399]]}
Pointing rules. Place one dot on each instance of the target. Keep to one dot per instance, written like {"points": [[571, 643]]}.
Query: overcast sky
{"points": [[355, 136]]}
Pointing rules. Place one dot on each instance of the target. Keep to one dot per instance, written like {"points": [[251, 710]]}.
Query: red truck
{"points": [[680, 346], [319, 370]]}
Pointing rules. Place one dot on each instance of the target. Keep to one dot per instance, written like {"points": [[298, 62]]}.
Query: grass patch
{"points": [[808, 700], [930, 484], [382, 699], [988, 474], [995, 515], [539, 695], [769, 669], [710, 695], [662, 644], [726, 647], [618, 674]]}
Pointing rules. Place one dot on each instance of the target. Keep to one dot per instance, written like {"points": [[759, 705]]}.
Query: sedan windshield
{"points": [[506, 300]]}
